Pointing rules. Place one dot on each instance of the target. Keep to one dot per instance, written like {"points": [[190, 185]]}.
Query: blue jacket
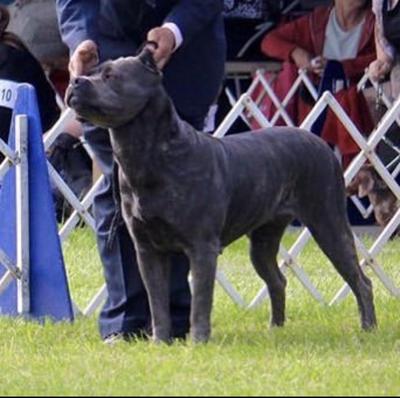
{"points": [[194, 74]]}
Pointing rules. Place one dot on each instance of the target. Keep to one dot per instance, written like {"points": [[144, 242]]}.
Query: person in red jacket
{"points": [[341, 32], [308, 41]]}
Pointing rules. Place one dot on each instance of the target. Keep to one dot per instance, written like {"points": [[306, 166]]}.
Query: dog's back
{"points": [[276, 172]]}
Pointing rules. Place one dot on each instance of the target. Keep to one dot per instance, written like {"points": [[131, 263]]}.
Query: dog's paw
{"points": [[162, 336], [200, 337]]}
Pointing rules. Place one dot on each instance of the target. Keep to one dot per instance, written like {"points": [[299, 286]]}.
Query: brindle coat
{"points": [[185, 191]]}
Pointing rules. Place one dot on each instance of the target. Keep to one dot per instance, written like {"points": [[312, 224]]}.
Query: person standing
{"points": [[190, 48], [385, 69], [387, 41]]}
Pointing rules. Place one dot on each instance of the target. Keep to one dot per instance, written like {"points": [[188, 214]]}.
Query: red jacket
{"points": [[308, 32]]}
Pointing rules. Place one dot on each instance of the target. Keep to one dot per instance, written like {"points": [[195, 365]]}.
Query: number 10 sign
{"points": [[8, 93]]}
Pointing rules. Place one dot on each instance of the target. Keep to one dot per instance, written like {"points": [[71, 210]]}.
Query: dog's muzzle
{"points": [[76, 87]]}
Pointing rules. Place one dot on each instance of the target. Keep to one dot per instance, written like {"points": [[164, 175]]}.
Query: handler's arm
{"points": [[78, 21], [379, 68], [191, 16], [186, 19]]}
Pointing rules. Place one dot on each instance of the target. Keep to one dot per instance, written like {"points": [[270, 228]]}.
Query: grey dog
{"points": [[186, 191]]}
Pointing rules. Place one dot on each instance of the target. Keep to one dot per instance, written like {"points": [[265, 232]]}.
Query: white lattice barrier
{"points": [[385, 101], [80, 207], [243, 107], [246, 106], [59, 183]]}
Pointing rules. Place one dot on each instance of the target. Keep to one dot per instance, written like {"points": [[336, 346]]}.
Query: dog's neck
{"points": [[142, 145]]}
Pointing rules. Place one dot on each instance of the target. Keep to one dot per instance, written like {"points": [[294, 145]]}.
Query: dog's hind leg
{"points": [[264, 247], [334, 236]]}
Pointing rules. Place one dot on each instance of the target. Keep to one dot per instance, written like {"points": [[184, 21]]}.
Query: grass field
{"points": [[320, 351]]}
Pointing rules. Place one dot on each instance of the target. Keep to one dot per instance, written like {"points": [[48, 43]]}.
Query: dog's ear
{"points": [[147, 59], [362, 184], [366, 183], [352, 188]]}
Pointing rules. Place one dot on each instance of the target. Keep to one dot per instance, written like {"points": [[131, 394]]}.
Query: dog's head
{"points": [[367, 182], [113, 93]]}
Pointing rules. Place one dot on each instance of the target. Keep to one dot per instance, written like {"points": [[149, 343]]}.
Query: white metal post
{"points": [[22, 214]]}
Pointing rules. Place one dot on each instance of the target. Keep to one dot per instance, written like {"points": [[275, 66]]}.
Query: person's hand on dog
{"points": [[84, 58], [165, 40]]}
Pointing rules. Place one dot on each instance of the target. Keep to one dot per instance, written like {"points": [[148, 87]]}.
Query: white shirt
{"points": [[177, 33], [341, 44]]}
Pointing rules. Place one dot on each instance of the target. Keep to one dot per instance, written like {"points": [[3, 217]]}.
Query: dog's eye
{"points": [[107, 74]]}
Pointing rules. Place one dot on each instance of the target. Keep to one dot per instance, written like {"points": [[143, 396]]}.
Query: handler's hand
{"points": [[84, 58], [165, 40], [318, 65], [378, 69]]}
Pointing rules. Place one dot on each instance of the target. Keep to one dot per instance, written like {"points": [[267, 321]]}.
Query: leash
{"points": [[117, 220]]}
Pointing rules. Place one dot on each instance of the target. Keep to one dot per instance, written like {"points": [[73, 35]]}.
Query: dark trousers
{"points": [[126, 309]]}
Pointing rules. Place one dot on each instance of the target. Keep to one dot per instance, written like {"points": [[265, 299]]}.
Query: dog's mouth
{"points": [[84, 110], [74, 100], [68, 96]]}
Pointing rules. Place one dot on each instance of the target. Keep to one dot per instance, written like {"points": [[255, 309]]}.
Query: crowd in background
{"points": [[310, 35], [289, 31]]}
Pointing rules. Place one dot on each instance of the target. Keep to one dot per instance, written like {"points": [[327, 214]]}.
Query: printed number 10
{"points": [[6, 95]]}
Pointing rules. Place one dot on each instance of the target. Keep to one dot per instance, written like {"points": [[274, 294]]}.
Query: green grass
{"points": [[320, 351]]}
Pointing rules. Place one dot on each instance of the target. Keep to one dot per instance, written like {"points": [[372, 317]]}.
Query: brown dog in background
{"points": [[368, 182]]}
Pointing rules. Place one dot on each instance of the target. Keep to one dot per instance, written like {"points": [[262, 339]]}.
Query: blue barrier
{"points": [[49, 292]]}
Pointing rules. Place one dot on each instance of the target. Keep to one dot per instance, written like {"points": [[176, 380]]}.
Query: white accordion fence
{"points": [[246, 105], [241, 108]]}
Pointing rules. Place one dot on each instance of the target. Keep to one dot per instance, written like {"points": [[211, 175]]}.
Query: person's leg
{"points": [[126, 309]]}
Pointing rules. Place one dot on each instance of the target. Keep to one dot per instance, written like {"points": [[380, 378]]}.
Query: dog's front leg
{"points": [[155, 271], [203, 264]]}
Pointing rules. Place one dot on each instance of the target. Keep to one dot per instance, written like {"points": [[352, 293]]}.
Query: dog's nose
{"points": [[78, 87], [78, 81]]}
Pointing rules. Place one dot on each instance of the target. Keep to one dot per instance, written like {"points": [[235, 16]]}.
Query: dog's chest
{"points": [[155, 216]]}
